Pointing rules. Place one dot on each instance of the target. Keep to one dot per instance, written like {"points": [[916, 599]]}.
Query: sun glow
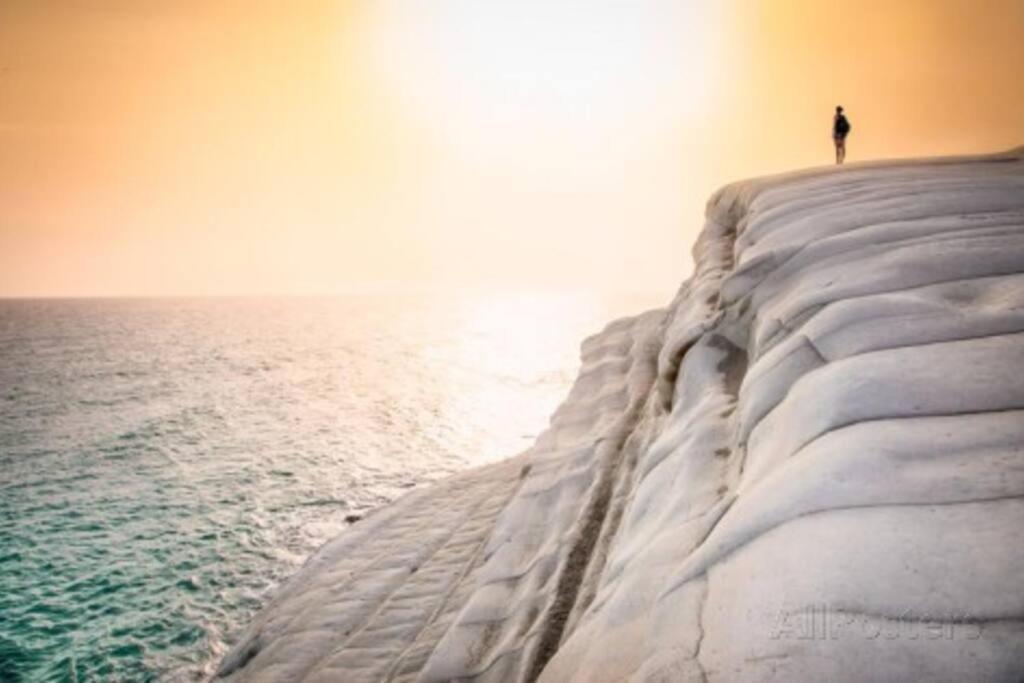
{"points": [[494, 75]]}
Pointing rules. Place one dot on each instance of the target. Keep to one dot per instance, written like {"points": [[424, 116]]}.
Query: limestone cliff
{"points": [[809, 466]]}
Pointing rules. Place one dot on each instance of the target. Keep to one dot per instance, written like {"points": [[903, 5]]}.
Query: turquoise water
{"points": [[165, 463]]}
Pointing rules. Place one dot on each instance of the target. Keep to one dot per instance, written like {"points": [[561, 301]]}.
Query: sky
{"points": [[209, 147]]}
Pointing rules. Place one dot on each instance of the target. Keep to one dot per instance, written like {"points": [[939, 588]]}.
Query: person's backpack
{"points": [[842, 126]]}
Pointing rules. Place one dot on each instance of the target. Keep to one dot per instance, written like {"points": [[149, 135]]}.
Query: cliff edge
{"points": [[809, 466]]}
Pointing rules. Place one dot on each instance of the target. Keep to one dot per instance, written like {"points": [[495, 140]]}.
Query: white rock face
{"points": [[809, 467]]}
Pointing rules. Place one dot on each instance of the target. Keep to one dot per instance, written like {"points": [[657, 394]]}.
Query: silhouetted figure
{"points": [[840, 129]]}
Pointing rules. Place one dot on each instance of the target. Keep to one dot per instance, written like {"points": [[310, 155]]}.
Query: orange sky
{"points": [[248, 146]]}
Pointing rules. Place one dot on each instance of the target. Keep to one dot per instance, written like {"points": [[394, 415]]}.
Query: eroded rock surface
{"points": [[810, 466]]}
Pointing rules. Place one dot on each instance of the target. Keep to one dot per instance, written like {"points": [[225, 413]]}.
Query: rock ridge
{"points": [[818, 444]]}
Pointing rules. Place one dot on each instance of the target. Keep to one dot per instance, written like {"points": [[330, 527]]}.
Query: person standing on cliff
{"points": [[840, 129]]}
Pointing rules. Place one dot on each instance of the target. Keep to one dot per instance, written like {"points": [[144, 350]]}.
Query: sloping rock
{"points": [[810, 466]]}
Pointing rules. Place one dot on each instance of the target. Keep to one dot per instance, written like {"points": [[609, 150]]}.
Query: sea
{"points": [[166, 463]]}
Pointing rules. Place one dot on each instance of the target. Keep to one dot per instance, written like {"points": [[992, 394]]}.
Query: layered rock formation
{"points": [[809, 467]]}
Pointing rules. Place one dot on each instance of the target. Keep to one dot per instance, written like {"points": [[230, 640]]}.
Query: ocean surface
{"points": [[165, 463]]}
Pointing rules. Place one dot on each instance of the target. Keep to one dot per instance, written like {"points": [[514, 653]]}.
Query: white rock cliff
{"points": [[809, 467]]}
